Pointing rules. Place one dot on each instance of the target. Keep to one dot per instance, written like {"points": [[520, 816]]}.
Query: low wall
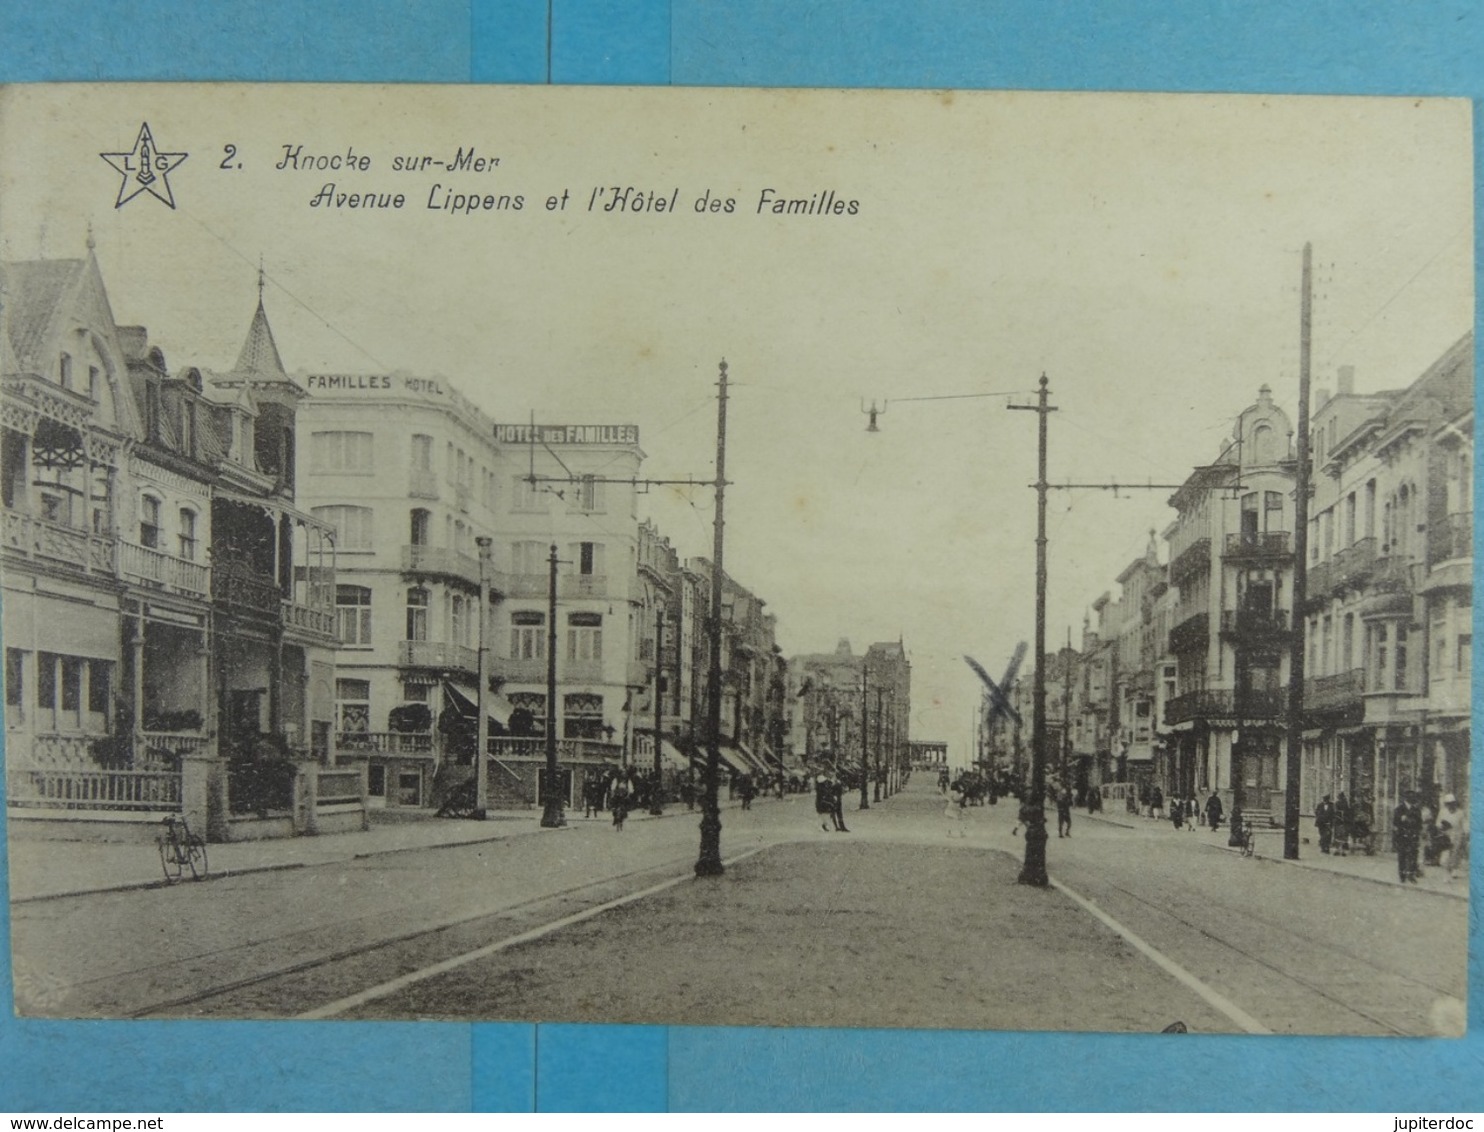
{"points": [[133, 828]]}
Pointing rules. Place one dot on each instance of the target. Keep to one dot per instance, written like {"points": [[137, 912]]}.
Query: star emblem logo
{"points": [[145, 168]]}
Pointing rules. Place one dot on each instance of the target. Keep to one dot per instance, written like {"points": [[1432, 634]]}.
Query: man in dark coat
{"points": [[1214, 810], [1324, 821], [1406, 832]]}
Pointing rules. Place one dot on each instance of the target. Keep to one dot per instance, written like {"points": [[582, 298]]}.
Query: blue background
{"points": [[1319, 46]]}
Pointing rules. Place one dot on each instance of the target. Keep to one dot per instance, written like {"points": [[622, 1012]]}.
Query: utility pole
{"points": [[656, 802], [551, 811], [865, 766], [876, 789], [482, 728], [708, 863], [1033, 872], [1066, 710], [1300, 574]]}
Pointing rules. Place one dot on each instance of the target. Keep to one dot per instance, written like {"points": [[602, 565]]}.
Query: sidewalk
{"points": [[42, 870], [1380, 869]]}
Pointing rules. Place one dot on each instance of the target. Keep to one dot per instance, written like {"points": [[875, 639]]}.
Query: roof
{"points": [[34, 290], [259, 358]]}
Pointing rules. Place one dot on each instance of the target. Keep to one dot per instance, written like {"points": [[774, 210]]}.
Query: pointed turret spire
{"points": [[259, 360]]}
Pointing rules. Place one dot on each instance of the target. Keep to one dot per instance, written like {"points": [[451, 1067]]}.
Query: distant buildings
{"points": [[1182, 681]]}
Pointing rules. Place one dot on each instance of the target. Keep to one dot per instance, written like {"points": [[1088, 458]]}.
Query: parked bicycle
{"points": [[180, 849], [1246, 838]]}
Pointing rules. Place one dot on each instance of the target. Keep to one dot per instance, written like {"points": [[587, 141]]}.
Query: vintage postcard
{"points": [[655, 555]]}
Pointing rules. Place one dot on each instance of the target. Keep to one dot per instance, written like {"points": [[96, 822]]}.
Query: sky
{"points": [[1142, 251]]}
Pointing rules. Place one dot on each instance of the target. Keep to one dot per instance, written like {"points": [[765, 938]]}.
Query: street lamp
{"points": [[656, 802], [482, 728], [551, 813]]}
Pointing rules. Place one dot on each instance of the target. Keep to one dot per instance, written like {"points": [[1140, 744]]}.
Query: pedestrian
{"points": [[1213, 811], [1342, 827], [1192, 813], [1064, 813], [1157, 803], [1234, 839], [1454, 821], [1406, 833], [746, 790], [1324, 821], [838, 813], [618, 801], [688, 793], [824, 800], [1177, 812]]}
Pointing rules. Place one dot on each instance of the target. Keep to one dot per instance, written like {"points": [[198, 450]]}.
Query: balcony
{"points": [[521, 585], [1334, 693], [1221, 704], [1247, 546], [582, 585], [158, 570], [422, 483], [1451, 538], [580, 671], [442, 562], [437, 654], [1392, 574], [1191, 634], [527, 670], [1192, 560], [43, 541], [416, 744], [308, 619], [1255, 624], [567, 750], [241, 588]]}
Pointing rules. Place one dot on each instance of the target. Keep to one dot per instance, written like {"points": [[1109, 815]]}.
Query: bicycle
{"points": [[180, 849], [1246, 839]]}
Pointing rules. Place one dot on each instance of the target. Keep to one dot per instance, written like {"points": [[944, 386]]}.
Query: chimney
{"points": [[1321, 397], [1346, 381]]}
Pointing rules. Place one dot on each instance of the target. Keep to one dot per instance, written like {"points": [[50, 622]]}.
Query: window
{"points": [[149, 522], [341, 451], [588, 558], [587, 494], [353, 525], [1350, 519], [376, 780], [353, 616], [1462, 660], [458, 621], [527, 636], [528, 557], [584, 636], [1273, 501], [409, 788], [187, 428], [416, 693], [353, 704], [93, 382], [98, 686], [417, 615], [527, 496], [188, 534], [532, 707], [1249, 516], [15, 667], [1401, 660], [422, 452], [1347, 644], [582, 716], [421, 519], [64, 371], [71, 683]]}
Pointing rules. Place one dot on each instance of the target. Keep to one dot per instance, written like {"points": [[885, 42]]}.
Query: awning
{"points": [[671, 757], [732, 758], [464, 706]]}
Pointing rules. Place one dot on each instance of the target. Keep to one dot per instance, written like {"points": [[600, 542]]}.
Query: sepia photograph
{"points": [[643, 555]]}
